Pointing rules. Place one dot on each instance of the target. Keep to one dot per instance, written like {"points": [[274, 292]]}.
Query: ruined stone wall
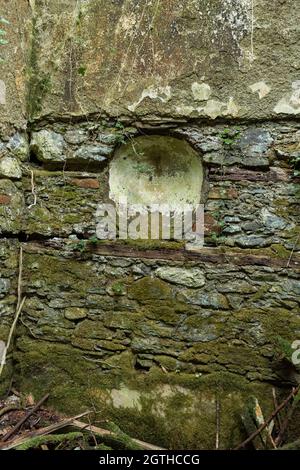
{"points": [[150, 334]]}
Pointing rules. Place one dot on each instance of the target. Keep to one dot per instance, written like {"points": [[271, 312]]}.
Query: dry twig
{"points": [[286, 421], [33, 191], [9, 408], [268, 421], [40, 432], [278, 417], [19, 307], [104, 432], [10, 335], [22, 421]]}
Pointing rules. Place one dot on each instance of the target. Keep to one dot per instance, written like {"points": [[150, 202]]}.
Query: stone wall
{"points": [[151, 335]]}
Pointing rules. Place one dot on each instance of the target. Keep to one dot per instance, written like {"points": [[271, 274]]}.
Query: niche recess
{"points": [[156, 169]]}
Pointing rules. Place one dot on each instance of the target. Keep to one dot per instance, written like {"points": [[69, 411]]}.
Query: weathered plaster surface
{"points": [[144, 58], [290, 103], [14, 64]]}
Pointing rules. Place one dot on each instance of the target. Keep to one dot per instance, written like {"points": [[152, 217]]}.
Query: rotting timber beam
{"points": [[212, 255]]}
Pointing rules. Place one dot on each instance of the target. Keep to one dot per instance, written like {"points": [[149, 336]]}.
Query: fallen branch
{"points": [[19, 310], [19, 307], [40, 441], [275, 402], [105, 432], [259, 420], [19, 298], [12, 444], [22, 421], [268, 421], [9, 408], [251, 427], [286, 421]]}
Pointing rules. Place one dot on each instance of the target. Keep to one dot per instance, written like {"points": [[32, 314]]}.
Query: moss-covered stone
{"points": [[160, 402], [150, 289], [152, 354], [75, 313], [68, 440]]}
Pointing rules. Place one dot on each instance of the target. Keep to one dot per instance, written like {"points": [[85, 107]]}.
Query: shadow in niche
{"points": [[156, 169], [139, 367], [33, 159]]}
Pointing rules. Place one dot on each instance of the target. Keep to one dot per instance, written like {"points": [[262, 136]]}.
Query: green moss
{"points": [[66, 193], [82, 70], [91, 329], [119, 125], [4, 331], [164, 313], [67, 440], [120, 439], [280, 251], [154, 244], [70, 219], [143, 245], [102, 447], [56, 272], [123, 320], [169, 363], [176, 410], [177, 374], [6, 377], [285, 348], [188, 418], [292, 233], [118, 288], [150, 289], [39, 81], [215, 239], [272, 322], [260, 293]]}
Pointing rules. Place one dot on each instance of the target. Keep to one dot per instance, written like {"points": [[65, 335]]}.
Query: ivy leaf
{"points": [[3, 42], [119, 125]]}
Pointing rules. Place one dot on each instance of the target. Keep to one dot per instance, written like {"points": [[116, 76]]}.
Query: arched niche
{"points": [[156, 169]]}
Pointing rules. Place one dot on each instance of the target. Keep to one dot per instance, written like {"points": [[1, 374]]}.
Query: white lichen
{"points": [[201, 91], [162, 93], [261, 88], [290, 103]]}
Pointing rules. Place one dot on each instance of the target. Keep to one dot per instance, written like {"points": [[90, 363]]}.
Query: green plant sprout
{"points": [[229, 136]]}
